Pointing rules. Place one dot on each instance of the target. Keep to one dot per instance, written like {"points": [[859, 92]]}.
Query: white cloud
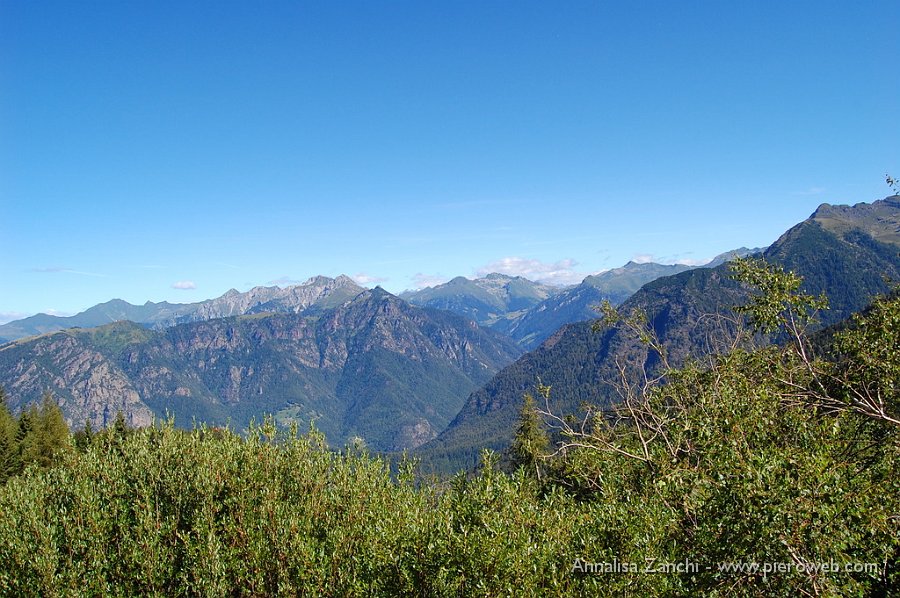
{"points": [[420, 281], [558, 273], [643, 258], [185, 285], [366, 279]]}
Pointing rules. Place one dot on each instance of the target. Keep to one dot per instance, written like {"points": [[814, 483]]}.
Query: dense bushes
{"points": [[167, 512]]}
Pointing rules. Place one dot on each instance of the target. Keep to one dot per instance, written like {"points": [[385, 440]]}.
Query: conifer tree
{"points": [[84, 437], [48, 435], [120, 428], [24, 427], [530, 443], [9, 448]]}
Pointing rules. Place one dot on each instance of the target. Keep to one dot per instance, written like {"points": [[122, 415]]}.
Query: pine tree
{"points": [[24, 427], [48, 436], [9, 448], [530, 443], [120, 428], [84, 437]]}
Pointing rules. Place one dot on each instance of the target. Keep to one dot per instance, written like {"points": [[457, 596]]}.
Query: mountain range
{"points": [[525, 310], [317, 292], [851, 253], [374, 367], [440, 370], [394, 375], [530, 312]]}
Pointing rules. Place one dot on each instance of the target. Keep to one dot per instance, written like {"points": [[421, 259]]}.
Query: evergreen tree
{"points": [[9, 448], [48, 435], [120, 428], [84, 437], [24, 427], [530, 443]]}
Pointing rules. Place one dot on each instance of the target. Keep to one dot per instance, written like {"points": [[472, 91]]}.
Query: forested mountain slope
{"points": [[851, 253]]}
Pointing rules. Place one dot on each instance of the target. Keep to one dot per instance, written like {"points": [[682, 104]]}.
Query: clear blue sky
{"points": [[146, 146]]}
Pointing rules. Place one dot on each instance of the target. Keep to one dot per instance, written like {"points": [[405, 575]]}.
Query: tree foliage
{"points": [[47, 436], [38, 437], [530, 444], [9, 448], [778, 303]]}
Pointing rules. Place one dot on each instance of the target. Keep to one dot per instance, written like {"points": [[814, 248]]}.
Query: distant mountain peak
{"points": [[879, 219], [379, 293], [732, 255], [343, 279]]}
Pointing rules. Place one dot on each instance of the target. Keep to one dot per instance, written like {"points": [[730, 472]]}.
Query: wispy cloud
{"points": [[9, 316], [184, 285], [420, 280], [365, 279], [558, 273], [63, 270]]}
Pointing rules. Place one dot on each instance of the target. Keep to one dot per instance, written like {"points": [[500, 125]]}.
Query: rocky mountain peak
{"points": [[344, 280]]}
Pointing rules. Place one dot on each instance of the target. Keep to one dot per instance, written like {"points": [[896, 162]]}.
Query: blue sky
{"points": [[173, 150]]}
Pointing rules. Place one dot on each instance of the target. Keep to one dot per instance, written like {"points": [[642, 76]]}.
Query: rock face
{"points": [[317, 291], [372, 367], [88, 386]]}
